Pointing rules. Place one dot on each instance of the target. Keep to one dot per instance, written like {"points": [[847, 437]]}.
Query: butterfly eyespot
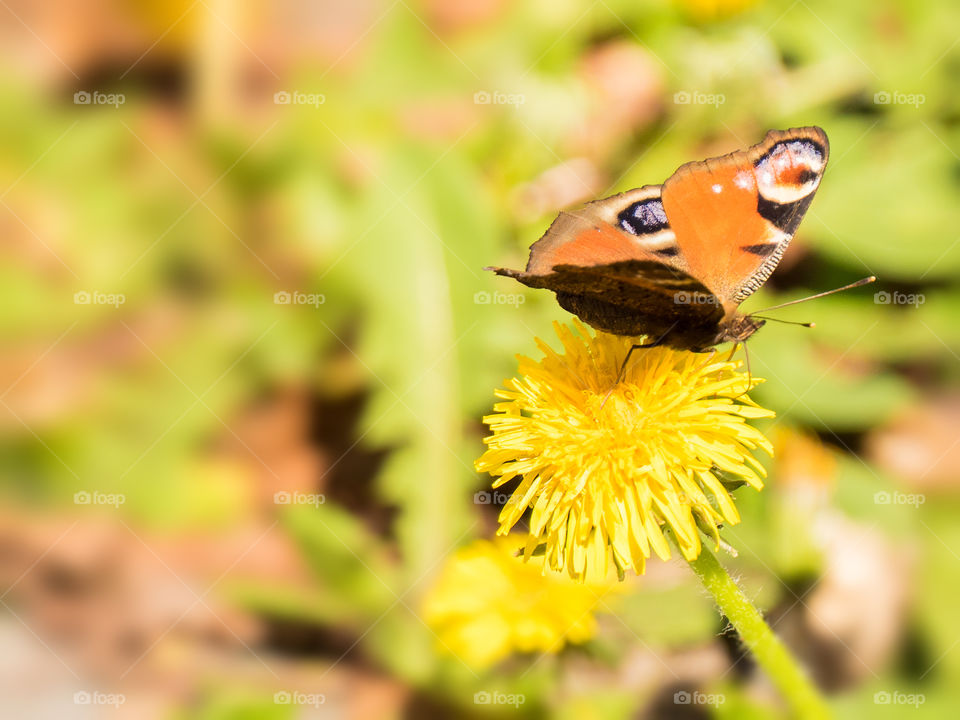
{"points": [[789, 171], [644, 217]]}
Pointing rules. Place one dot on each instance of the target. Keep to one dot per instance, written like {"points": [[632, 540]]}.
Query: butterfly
{"points": [[673, 262]]}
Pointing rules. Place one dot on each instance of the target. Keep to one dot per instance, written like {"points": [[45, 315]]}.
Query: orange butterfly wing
{"points": [[734, 216]]}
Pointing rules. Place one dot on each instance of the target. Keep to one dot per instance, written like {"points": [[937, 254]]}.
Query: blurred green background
{"points": [[248, 342]]}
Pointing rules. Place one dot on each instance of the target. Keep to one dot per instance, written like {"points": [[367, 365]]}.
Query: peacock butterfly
{"points": [[673, 262]]}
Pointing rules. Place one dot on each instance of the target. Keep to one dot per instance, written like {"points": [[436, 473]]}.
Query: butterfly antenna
{"points": [[785, 322], [858, 283], [746, 352]]}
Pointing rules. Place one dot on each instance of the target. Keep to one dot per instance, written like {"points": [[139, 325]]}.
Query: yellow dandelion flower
{"points": [[605, 466], [488, 603]]}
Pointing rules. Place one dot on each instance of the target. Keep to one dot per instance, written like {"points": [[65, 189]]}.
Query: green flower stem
{"points": [[772, 655]]}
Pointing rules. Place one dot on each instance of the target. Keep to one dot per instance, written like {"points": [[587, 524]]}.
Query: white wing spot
{"points": [[743, 180], [717, 188]]}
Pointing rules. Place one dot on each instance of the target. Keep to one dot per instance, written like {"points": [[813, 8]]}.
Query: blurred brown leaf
{"points": [[922, 446]]}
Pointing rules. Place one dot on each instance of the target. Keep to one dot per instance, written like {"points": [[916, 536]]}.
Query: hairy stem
{"points": [[771, 654]]}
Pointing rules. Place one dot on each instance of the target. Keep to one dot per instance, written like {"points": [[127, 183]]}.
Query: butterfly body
{"points": [[674, 262]]}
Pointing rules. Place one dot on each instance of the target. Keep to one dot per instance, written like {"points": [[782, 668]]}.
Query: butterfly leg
{"points": [[644, 346], [711, 351], [623, 367], [746, 354]]}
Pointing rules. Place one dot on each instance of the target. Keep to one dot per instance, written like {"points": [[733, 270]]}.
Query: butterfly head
{"points": [[737, 327]]}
